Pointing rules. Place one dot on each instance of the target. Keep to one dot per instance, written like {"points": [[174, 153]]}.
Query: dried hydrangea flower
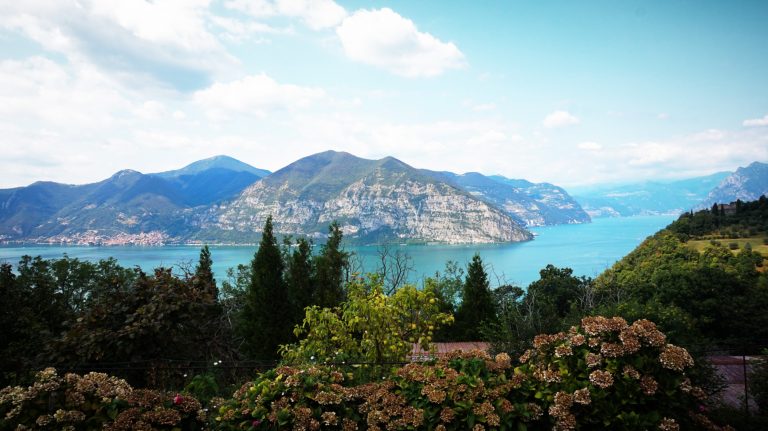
{"points": [[675, 358], [601, 378]]}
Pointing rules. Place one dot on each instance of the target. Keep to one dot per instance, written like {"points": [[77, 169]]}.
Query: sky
{"points": [[574, 93]]}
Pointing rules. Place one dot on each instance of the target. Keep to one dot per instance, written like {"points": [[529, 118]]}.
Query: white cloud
{"points": [[590, 146], [238, 31], [255, 95], [756, 122], [316, 14], [385, 39], [166, 40], [560, 119]]}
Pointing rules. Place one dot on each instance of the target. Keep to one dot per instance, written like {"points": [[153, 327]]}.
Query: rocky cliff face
{"points": [[383, 200], [747, 184]]}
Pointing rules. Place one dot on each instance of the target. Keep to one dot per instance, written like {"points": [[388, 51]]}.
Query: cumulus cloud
{"points": [[316, 14], [383, 38], [168, 41], [560, 119], [756, 122], [254, 95]]}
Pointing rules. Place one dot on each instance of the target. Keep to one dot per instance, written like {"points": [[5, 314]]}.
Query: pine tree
{"points": [[477, 306], [265, 321], [203, 278], [330, 266], [299, 279]]}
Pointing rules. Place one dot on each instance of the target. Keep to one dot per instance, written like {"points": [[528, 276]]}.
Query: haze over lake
{"points": [[586, 248]]}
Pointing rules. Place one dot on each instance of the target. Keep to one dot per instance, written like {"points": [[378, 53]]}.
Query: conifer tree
{"points": [[298, 279], [477, 306], [203, 279], [330, 266], [265, 321]]}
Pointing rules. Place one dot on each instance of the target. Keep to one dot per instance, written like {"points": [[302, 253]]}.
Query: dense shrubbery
{"points": [[604, 374], [95, 401]]}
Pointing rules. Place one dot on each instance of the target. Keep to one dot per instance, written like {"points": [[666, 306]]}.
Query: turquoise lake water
{"points": [[587, 248]]}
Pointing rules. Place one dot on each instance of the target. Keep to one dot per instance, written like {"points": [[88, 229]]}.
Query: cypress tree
{"points": [[477, 305], [330, 266], [203, 279], [299, 279], [265, 321]]}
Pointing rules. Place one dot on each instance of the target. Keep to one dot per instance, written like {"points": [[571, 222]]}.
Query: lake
{"points": [[586, 248]]}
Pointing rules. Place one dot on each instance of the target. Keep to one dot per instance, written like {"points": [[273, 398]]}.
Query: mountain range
{"points": [[675, 197], [224, 200]]}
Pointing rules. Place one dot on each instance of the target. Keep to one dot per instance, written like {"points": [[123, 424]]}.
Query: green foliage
{"points": [[330, 267], [716, 296], [265, 320], [203, 277], [94, 402], [298, 278], [160, 317], [477, 306], [758, 383], [44, 300], [549, 304], [369, 327], [605, 374], [203, 387], [739, 219]]}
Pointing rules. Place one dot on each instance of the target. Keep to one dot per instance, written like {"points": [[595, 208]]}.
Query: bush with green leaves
{"points": [[95, 401], [603, 374], [369, 326], [758, 383], [607, 374], [458, 392]]}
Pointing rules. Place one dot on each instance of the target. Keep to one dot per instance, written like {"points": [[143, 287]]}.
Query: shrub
{"points": [[605, 374], [458, 392], [758, 384], [94, 401], [610, 375], [733, 245]]}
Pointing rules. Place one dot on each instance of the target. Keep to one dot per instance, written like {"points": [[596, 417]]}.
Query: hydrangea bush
{"points": [[607, 374], [94, 401], [603, 374]]}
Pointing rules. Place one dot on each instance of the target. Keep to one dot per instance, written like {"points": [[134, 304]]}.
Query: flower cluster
{"points": [[104, 402], [604, 362]]}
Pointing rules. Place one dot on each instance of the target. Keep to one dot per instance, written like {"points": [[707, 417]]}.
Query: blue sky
{"points": [[569, 92]]}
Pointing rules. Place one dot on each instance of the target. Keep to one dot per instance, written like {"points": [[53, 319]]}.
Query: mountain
{"points": [[215, 162], [747, 184], [129, 205], [530, 204], [373, 200], [647, 198], [221, 199]]}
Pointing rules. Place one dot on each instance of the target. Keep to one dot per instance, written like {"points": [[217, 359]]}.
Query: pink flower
{"points": [[178, 399], [256, 423]]}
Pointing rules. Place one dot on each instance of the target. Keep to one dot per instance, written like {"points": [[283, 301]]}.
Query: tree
{"points": [[265, 322], [477, 306], [370, 326], [298, 279], [330, 267], [203, 278]]}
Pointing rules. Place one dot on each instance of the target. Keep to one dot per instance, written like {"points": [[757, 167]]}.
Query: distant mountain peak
{"points": [[216, 162], [747, 183]]}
